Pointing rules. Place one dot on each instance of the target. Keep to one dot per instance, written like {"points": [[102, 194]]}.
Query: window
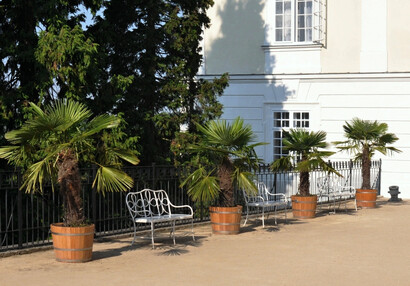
{"points": [[298, 21], [283, 121]]}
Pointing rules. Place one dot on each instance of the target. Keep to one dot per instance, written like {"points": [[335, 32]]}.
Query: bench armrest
{"points": [[280, 196], [182, 206]]}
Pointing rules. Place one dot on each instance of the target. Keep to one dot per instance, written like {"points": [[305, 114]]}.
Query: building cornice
{"points": [[314, 76]]}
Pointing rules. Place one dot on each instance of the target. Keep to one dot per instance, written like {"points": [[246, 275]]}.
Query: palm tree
{"points": [[304, 155], [50, 145], [364, 138], [226, 158]]}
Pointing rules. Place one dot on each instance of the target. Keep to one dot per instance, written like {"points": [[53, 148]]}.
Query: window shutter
{"points": [[319, 18]]}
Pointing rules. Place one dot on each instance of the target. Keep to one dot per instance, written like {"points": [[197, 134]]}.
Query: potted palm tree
{"points": [[364, 138], [224, 157], [49, 146], [304, 156]]}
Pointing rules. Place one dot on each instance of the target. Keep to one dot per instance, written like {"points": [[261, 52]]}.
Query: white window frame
{"points": [[318, 24], [291, 121]]}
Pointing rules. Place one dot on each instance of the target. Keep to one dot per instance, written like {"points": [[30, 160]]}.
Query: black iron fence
{"points": [[25, 218]]}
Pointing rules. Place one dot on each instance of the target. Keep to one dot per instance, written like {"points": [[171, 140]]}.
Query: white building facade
{"points": [[315, 64]]}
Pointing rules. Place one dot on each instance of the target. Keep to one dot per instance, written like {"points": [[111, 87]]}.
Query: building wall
{"points": [[363, 70], [233, 42], [343, 42], [331, 101], [398, 35]]}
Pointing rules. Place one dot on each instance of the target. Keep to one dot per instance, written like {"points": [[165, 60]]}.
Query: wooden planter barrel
{"points": [[304, 207], [225, 220], [366, 198], [72, 244]]}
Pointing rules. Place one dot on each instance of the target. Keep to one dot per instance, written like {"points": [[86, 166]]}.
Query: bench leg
{"points": [[152, 234], [135, 234], [276, 223], [263, 217], [173, 231], [192, 228], [247, 213]]}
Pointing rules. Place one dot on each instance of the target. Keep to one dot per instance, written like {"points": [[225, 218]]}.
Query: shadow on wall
{"points": [[237, 46]]}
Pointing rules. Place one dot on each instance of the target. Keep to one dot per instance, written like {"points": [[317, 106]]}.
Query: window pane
{"points": [[288, 34], [301, 35], [279, 34], [308, 7], [309, 35], [277, 115], [301, 21], [307, 124], [305, 115], [309, 21], [279, 7], [296, 115], [279, 21], [301, 7], [285, 124], [285, 115], [288, 6], [288, 21]]}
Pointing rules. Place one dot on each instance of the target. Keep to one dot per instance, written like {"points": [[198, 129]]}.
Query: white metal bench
{"points": [[335, 189], [154, 206], [264, 199]]}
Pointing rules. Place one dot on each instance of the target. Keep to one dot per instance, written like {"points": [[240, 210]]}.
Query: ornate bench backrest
{"points": [[261, 195], [148, 203]]}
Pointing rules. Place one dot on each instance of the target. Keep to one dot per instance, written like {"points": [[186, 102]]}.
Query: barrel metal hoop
{"points": [[73, 249], [217, 212], [72, 234], [225, 231], [73, 260], [221, 223]]}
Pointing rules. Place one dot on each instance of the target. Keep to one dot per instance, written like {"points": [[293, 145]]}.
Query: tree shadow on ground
{"points": [[255, 224], [339, 211], [163, 246], [390, 203]]}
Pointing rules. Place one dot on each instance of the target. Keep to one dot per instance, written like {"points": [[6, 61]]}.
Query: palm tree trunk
{"points": [[225, 176], [70, 188], [366, 168], [304, 184]]}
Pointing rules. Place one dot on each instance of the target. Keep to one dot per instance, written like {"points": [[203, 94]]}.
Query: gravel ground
{"points": [[367, 247]]}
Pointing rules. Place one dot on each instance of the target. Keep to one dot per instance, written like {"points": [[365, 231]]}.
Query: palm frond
{"points": [[282, 164], [35, 175], [99, 123], [202, 186], [244, 181], [126, 155], [112, 180]]}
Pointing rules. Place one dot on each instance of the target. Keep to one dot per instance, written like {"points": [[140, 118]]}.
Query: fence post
{"points": [[94, 199], [154, 177], [350, 172], [380, 177], [19, 210]]}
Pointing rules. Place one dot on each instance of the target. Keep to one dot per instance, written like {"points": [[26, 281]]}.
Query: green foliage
{"points": [[68, 55], [364, 139], [304, 155], [67, 125], [138, 58], [223, 159]]}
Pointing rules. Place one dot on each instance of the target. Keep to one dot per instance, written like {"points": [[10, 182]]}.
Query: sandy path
{"points": [[370, 247]]}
